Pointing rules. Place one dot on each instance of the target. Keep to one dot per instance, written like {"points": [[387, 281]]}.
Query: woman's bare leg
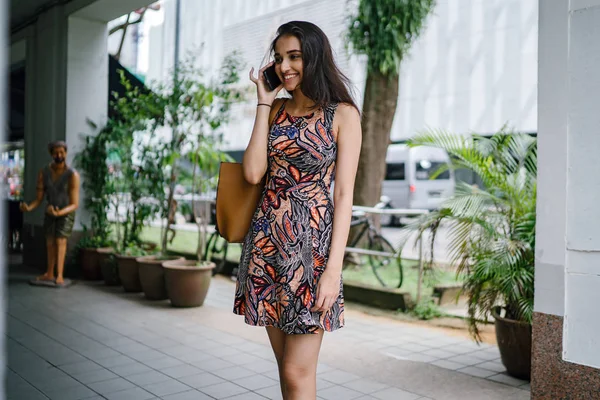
{"points": [[277, 339], [300, 358]]}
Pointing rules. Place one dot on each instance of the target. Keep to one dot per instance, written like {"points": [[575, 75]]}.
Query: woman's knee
{"points": [[296, 374]]}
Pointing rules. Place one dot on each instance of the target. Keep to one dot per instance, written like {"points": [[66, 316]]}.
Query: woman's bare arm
{"points": [[254, 162], [349, 143]]}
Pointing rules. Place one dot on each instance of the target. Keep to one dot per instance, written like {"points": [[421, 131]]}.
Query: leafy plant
{"points": [[491, 231], [135, 179], [134, 250], [194, 111], [205, 156], [91, 161], [119, 171], [91, 242], [128, 166], [111, 268], [426, 310]]}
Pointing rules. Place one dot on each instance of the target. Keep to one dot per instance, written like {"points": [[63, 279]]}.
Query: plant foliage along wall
{"points": [[131, 167], [491, 230]]}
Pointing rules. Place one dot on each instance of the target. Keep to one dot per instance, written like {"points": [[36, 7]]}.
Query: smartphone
{"points": [[271, 78]]}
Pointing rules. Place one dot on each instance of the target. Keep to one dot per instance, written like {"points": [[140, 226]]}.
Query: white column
{"points": [[568, 239], [552, 157], [87, 86], [581, 338]]}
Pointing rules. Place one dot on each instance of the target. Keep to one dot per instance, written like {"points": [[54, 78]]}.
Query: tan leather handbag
{"points": [[237, 200]]}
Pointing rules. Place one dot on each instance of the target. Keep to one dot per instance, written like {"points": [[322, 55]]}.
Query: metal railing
{"points": [[359, 211]]}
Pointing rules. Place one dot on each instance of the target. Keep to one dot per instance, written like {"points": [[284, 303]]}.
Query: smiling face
{"points": [[59, 154], [288, 62]]}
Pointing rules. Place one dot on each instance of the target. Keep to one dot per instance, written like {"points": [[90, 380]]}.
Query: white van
{"points": [[408, 182]]}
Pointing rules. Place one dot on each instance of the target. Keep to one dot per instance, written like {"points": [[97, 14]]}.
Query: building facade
{"points": [[474, 69]]}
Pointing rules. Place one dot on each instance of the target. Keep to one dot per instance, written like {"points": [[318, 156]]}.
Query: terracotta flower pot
{"points": [[129, 273], [152, 276], [110, 274], [90, 264], [187, 283], [514, 343]]}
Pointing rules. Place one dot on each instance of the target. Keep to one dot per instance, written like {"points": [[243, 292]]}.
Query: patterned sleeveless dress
{"points": [[286, 249]]}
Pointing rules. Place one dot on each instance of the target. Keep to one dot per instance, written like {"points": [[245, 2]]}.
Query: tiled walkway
{"points": [[94, 342]]}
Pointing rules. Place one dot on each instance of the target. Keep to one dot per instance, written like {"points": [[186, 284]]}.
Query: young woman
{"points": [[290, 273]]}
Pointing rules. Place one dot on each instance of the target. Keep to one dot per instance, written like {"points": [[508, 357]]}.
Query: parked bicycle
{"points": [[379, 251]]}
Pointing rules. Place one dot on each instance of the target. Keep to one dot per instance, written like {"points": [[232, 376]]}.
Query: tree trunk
{"points": [[379, 107]]}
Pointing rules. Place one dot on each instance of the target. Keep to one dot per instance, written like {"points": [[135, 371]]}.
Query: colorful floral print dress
{"points": [[287, 246]]}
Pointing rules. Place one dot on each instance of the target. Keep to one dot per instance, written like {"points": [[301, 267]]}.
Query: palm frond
{"points": [[490, 230]]}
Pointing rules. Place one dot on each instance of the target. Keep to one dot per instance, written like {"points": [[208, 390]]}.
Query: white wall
{"points": [[568, 241], [129, 51], [582, 325], [202, 25], [474, 69], [87, 86], [552, 158]]}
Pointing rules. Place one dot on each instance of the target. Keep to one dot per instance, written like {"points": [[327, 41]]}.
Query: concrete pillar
{"points": [[45, 100], [566, 348], [87, 86], [66, 84]]}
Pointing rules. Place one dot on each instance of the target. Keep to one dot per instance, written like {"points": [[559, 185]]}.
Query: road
{"points": [[397, 236]]}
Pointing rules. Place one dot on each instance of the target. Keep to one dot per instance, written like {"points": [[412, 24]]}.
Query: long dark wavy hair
{"points": [[322, 80]]}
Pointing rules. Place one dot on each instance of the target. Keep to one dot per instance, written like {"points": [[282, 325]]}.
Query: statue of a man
{"points": [[60, 184]]}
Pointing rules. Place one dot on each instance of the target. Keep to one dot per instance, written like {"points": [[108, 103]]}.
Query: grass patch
{"points": [[364, 274], [187, 241]]}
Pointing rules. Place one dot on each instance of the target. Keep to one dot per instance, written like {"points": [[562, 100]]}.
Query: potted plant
{"points": [[491, 231], [91, 161], [109, 267], [128, 230], [135, 179], [89, 258], [188, 281]]}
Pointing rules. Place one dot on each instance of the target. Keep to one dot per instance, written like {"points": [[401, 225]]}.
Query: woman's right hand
{"points": [[264, 94], [24, 207]]}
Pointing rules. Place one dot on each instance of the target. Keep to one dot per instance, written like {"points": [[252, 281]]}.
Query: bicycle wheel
{"points": [[387, 269]]}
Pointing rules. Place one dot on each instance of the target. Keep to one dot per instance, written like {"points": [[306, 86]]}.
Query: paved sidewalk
{"points": [[94, 342]]}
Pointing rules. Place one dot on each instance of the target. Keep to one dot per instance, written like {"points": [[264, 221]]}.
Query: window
{"points": [[426, 169], [395, 172]]}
